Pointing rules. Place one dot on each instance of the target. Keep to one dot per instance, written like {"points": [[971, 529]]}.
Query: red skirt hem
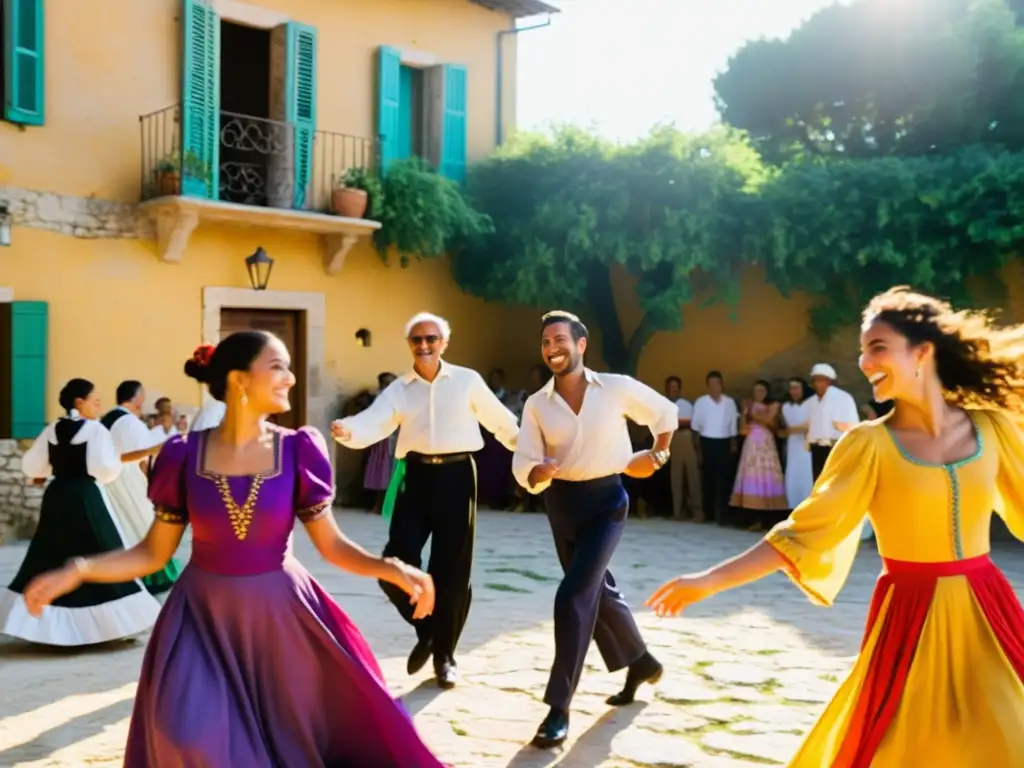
{"points": [[910, 588]]}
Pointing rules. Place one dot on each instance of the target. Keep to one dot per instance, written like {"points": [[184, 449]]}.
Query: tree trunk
{"points": [[619, 355]]}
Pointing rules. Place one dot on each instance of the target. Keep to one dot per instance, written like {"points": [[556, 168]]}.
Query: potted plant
{"points": [[169, 173], [168, 180], [358, 191]]}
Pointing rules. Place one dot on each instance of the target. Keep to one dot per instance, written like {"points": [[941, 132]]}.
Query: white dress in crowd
{"points": [[799, 475], [129, 493], [209, 416]]}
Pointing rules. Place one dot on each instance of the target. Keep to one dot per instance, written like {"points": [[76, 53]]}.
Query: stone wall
{"points": [[84, 217], [19, 502]]}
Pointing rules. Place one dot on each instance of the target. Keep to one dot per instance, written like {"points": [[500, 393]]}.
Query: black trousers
{"points": [[587, 520], [439, 503], [819, 455], [717, 472]]}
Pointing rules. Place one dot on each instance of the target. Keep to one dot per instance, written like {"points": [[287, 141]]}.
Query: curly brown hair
{"points": [[980, 364]]}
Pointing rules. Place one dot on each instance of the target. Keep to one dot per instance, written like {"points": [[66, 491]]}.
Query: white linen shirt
{"points": [[130, 434], [685, 409], [837, 405], [715, 420], [594, 443], [432, 418]]}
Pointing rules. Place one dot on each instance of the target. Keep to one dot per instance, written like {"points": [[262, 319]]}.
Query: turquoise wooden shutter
{"points": [[28, 368], [300, 104], [200, 100], [389, 94], [24, 78], [453, 124]]}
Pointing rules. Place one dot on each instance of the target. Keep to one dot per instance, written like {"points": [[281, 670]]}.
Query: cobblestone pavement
{"points": [[746, 673]]}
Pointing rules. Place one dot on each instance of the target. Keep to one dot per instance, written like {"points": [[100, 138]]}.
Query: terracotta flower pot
{"points": [[168, 183], [348, 202]]}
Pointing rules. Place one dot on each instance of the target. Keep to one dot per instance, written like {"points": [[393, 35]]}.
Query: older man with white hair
{"points": [[437, 409]]}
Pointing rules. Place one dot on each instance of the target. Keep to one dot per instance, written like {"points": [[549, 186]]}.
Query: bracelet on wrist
{"points": [[81, 565]]}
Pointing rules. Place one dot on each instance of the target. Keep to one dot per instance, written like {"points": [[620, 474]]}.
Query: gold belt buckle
{"points": [[434, 460]]}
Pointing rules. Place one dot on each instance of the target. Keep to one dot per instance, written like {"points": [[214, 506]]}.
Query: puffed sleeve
{"points": [[819, 540], [102, 459], [167, 481], [36, 461], [1010, 478], [314, 488]]}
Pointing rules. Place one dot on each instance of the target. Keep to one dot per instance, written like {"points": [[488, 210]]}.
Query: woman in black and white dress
{"points": [[75, 522]]}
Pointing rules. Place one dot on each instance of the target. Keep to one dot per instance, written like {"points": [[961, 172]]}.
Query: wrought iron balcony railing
{"points": [[255, 161]]}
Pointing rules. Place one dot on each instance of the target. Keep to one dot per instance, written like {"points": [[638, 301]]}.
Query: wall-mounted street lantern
{"points": [[363, 337], [258, 266], [5, 226]]}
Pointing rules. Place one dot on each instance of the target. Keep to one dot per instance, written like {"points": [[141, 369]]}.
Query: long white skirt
{"points": [[128, 497]]}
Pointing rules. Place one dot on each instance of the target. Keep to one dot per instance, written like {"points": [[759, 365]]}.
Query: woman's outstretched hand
{"points": [[47, 587], [418, 585], [672, 597]]}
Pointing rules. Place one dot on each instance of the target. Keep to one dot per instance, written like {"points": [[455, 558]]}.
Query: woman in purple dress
{"points": [[251, 662]]}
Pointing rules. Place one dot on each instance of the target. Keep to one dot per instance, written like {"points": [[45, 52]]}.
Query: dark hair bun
{"points": [[211, 366], [73, 391], [198, 372], [198, 366]]}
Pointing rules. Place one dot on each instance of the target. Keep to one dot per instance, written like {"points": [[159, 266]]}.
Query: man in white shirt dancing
{"points": [[437, 409], [573, 445]]}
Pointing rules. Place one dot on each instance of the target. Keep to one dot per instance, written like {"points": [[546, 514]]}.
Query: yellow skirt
{"points": [[938, 682]]}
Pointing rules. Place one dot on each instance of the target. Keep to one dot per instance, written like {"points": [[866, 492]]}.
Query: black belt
{"points": [[594, 482], [439, 458]]}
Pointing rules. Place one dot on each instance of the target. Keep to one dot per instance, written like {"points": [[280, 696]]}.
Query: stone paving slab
{"points": [[746, 673]]}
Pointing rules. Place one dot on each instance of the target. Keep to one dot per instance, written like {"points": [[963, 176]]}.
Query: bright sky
{"points": [[624, 65]]}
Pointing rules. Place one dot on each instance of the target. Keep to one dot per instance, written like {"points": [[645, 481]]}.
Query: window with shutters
{"points": [[24, 329], [22, 74], [422, 112], [248, 111]]}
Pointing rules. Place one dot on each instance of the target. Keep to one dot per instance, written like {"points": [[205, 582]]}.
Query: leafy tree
{"points": [[879, 77], [843, 230], [422, 214], [571, 209]]}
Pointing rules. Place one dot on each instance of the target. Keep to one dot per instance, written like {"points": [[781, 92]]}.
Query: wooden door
{"points": [[287, 325]]}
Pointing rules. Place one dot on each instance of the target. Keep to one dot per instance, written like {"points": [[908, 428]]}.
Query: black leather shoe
{"points": [[646, 669], [419, 657], [553, 731], [447, 674]]}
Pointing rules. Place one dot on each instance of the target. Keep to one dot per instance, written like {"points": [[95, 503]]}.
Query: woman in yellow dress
{"points": [[938, 681]]}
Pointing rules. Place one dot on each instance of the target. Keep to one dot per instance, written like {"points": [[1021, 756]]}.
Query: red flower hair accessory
{"points": [[202, 355]]}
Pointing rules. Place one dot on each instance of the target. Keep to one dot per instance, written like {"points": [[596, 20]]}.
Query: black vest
{"points": [[112, 416]]}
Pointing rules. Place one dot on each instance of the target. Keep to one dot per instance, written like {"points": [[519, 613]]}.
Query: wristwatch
{"points": [[660, 457]]}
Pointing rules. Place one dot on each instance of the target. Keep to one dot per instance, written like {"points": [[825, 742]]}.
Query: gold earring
{"points": [[245, 399]]}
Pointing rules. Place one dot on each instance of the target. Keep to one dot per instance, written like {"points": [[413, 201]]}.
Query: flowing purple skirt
{"points": [[379, 464], [264, 671], [494, 473]]}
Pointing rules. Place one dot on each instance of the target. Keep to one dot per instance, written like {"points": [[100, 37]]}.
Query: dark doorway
{"points": [[247, 136]]}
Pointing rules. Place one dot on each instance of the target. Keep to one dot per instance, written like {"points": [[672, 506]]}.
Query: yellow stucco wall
{"points": [[110, 61], [117, 312]]}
